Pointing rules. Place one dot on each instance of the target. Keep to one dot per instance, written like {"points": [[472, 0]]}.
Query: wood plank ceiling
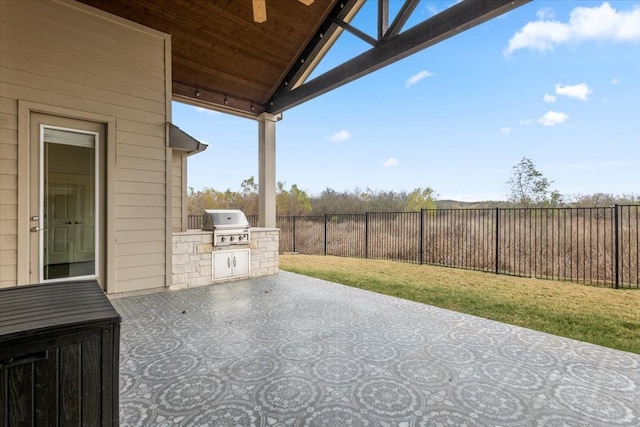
{"points": [[220, 56]]}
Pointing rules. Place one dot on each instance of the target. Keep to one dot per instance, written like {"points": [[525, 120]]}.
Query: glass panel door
{"points": [[68, 200]]}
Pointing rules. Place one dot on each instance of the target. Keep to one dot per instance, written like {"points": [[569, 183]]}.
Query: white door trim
{"points": [[25, 110]]}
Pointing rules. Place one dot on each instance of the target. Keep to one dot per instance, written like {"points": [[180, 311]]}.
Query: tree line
{"points": [[527, 188], [293, 201]]}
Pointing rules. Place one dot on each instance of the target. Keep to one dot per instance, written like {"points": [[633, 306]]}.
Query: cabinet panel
{"points": [[241, 263], [70, 385], [45, 385], [91, 371], [229, 264], [221, 265], [20, 400]]}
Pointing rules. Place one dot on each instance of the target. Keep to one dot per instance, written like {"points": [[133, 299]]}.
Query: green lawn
{"points": [[601, 316]]}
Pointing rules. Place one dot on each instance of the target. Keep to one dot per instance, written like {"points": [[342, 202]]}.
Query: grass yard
{"points": [[601, 316]]}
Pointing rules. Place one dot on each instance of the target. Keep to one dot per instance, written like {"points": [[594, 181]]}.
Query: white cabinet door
{"points": [[227, 264], [221, 265], [240, 262]]}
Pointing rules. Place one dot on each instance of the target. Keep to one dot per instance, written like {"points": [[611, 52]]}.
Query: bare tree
{"points": [[529, 187]]}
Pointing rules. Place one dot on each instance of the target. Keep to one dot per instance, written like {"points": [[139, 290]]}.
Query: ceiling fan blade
{"points": [[259, 11]]}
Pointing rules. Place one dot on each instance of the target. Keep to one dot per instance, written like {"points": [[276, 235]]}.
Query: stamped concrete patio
{"points": [[289, 350]]}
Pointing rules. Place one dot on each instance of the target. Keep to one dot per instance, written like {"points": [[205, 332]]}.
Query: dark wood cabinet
{"points": [[59, 355]]}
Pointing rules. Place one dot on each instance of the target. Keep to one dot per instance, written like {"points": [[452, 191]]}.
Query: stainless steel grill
{"points": [[229, 226]]}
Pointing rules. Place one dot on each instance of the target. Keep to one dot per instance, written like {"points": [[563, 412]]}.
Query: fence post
{"points": [[325, 233], [616, 248], [293, 234], [366, 235], [422, 211], [497, 240]]}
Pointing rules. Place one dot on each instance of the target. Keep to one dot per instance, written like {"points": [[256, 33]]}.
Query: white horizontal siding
{"points": [[8, 192], [138, 187], [65, 55], [45, 23], [140, 248], [139, 130], [124, 212], [176, 191], [61, 72], [79, 90], [146, 153], [143, 283], [137, 175], [135, 260], [135, 163], [139, 139]]}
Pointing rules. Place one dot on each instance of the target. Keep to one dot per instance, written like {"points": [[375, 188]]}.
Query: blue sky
{"points": [[555, 81]]}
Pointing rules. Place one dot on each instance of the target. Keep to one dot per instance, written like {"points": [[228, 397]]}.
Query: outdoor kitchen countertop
{"points": [[253, 229]]}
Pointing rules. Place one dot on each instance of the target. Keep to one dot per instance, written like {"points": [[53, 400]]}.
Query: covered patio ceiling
{"points": [[223, 59]]}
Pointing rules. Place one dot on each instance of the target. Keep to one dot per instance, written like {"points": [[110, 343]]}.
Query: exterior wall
{"points": [[192, 256], [178, 185], [176, 192], [63, 58]]}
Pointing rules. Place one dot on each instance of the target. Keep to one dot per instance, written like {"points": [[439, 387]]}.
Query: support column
{"points": [[267, 169]]}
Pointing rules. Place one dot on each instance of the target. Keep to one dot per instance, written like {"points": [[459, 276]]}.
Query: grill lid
{"points": [[224, 219]]}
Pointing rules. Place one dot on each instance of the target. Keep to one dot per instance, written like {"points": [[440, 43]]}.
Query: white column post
{"points": [[267, 169]]}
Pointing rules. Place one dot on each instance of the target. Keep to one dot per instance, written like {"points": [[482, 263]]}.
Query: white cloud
{"points": [[341, 136], [432, 9], [580, 91], [549, 98], [505, 130], [390, 163], [612, 163], [585, 23], [206, 110], [552, 118], [526, 122], [545, 13], [615, 81], [417, 77]]}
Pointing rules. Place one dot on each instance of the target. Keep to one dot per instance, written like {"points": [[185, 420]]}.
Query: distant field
{"points": [[601, 316]]}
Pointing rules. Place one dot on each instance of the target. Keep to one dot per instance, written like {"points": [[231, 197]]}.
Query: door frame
{"points": [[98, 149], [106, 277]]}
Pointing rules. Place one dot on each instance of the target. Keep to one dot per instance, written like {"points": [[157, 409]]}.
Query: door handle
{"points": [[68, 222], [234, 261], [36, 229]]}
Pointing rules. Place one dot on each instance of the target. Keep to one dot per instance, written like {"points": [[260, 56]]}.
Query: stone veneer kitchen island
{"points": [[192, 256]]}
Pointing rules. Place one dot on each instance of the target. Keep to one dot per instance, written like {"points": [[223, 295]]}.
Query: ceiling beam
{"points": [[383, 18], [207, 98], [357, 32], [445, 24], [324, 36], [401, 18]]}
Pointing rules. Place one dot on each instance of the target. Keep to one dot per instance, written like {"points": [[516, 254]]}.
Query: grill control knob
{"points": [[232, 238], [222, 239]]}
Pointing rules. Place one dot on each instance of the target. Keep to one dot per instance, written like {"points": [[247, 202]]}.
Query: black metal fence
{"points": [[598, 246]]}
